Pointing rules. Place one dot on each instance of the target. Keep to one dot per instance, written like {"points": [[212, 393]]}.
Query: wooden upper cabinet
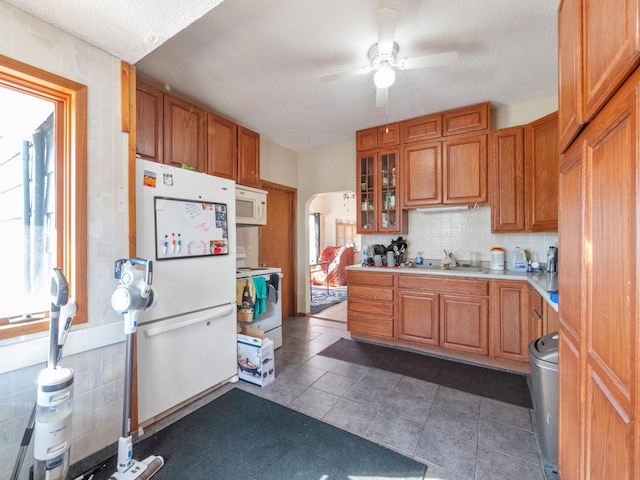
{"points": [[149, 122], [464, 171], [367, 139], [378, 137], [222, 142], [248, 157], [598, 48], [541, 174], [570, 111], [465, 119], [389, 135], [422, 174], [611, 49], [422, 128], [506, 179], [184, 134]]}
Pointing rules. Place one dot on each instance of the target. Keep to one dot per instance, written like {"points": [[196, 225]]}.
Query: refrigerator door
{"points": [[183, 356], [196, 280]]}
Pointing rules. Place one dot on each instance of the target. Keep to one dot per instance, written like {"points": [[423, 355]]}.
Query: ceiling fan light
{"points": [[384, 77]]}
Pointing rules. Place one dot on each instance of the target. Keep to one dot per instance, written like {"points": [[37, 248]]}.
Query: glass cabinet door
{"points": [[387, 199], [366, 193]]}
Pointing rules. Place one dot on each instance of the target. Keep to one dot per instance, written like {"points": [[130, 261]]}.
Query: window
{"points": [[345, 233], [42, 194]]}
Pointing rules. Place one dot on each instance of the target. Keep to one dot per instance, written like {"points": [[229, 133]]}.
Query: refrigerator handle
{"points": [[221, 312]]}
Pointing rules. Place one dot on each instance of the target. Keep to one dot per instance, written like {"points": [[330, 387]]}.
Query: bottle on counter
{"points": [[551, 260], [419, 258], [365, 255]]}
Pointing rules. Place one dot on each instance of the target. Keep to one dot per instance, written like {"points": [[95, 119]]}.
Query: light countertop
{"points": [[538, 280]]}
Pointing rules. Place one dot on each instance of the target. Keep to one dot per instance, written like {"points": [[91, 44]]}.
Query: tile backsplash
{"points": [[462, 232]]}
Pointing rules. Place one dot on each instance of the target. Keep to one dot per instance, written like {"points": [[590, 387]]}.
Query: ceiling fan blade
{"points": [[386, 29], [329, 77], [435, 60], [382, 95]]}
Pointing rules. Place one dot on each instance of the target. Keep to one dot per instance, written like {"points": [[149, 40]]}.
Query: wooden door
{"points": [[149, 122], [422, 174], [367, 191], [222, 142], [464, 170], [418, 317], [184, 134], [248, 157], [506, 179], [278, 241], [509, 320], [464, 323], [541, 174]]}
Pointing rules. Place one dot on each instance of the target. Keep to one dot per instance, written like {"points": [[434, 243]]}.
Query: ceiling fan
{"points": [[383, 58]]}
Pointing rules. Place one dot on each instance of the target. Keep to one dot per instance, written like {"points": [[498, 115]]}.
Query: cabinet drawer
{"points": [[370, 325], [369, 306], [374, 279], [374, 294], [535, 302], [469, 286]]}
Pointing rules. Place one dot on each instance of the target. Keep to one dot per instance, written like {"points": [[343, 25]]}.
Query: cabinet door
{"points": [[184, 134], [422, 174], [571, 116], [387, 203], [221, 147], [506, 179], [536, 314], [611, 49], [149, 120], [464, 323], [465, 119], [541, 174], [422, 128], [367, 139], [389, 135], [367, 176], [248, 157], [418, 317], [464, 170], [509, 320]]}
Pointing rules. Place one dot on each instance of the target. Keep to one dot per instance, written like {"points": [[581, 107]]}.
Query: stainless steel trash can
{"points": [[543, 357]]}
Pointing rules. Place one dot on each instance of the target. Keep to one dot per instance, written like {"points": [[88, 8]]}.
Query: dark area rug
{"points": [[240, 435], [487, 382], [321, 298]]}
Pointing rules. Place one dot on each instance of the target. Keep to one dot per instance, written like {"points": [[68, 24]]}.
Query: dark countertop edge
{"points": [[532, 278]]}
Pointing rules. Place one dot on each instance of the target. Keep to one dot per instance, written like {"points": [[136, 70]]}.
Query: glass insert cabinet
{"points": [[378, 188]]}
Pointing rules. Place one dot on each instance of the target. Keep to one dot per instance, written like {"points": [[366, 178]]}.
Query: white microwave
{"points": [[251, 206]]}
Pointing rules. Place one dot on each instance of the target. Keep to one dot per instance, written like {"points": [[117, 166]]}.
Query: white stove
{"points": [[270, 321]]}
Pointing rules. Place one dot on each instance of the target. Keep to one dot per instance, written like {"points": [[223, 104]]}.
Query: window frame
{"points": [[70, 99]]}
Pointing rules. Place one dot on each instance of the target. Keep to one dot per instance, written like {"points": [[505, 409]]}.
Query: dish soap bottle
{"points": [[419, 258], [365, 255]]}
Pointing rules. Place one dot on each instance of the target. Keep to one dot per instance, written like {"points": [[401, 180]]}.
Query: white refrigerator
{"points": [[187, 339]]}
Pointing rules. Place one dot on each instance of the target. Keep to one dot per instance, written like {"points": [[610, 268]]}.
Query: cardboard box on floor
{"points": [[255, 357]]}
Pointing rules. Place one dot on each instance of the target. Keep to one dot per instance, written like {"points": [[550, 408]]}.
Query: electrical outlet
{"points": [[249, 251]]}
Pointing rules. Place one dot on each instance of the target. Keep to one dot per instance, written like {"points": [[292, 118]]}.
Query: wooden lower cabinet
{"points": [[370, 303], [418, 317], [510, 320], [464, 323]]}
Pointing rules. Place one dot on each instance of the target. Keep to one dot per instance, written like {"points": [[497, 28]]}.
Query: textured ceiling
{"points": [[256, 62]]}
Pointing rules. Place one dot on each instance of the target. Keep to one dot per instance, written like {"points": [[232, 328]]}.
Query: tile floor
{"points": [[456, 434]]}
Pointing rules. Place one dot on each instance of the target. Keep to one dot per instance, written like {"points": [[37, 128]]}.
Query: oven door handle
{"points": [[220, 312]]}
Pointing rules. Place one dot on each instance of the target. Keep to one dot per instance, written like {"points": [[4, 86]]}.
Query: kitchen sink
{"points": [[459, 268]]}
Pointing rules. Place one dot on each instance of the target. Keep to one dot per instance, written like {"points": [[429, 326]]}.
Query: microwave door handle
{"points": [[260, 210]]}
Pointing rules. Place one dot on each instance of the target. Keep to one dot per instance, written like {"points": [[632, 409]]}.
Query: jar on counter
{"points": [[497, 258]]}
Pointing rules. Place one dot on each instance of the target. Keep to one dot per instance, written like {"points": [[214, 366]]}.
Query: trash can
{"points": [[543, 357]]}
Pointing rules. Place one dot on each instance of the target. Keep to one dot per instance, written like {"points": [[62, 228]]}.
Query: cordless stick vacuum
{"points": [[133, 294], [52, 432]]}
